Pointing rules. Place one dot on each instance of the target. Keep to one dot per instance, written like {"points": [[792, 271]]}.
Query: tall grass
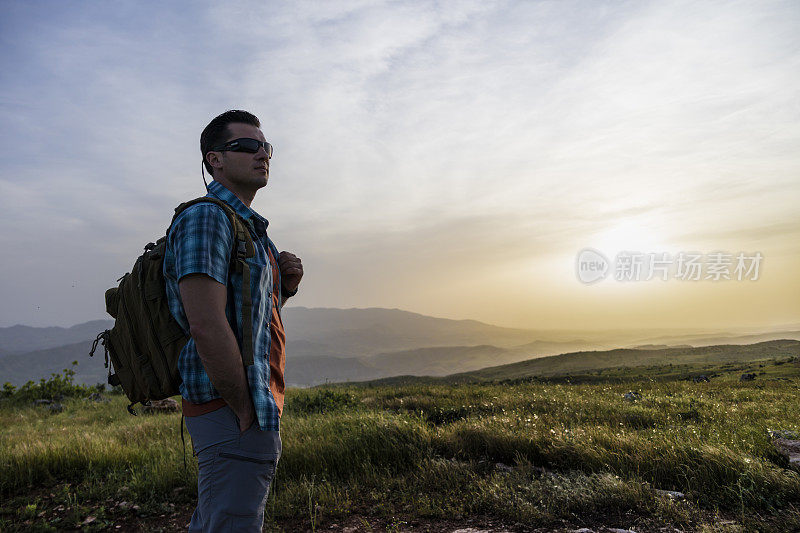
{"points": [[533, 452]]}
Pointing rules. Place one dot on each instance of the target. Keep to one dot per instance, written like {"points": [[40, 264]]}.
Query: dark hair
{"points": [[216, 132]]}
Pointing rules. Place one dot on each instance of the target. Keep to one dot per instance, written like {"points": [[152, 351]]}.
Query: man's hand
{"points": [[246, 421], [291, 270]]}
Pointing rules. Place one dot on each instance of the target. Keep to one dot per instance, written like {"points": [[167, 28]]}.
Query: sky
{"points": [[446, 158]]}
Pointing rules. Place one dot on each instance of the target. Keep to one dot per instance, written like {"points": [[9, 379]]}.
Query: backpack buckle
{"points": [[241, 250]]}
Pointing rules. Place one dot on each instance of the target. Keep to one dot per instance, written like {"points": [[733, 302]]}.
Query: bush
{"points": [[58, 386]]}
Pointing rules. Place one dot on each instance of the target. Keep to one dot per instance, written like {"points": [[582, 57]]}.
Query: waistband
{"points": [[197, 409]]}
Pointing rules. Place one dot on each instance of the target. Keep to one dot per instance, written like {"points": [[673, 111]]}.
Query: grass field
{"points": [[530, 453]]}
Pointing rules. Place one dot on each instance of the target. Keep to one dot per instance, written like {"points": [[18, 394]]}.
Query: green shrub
{"points": [[57, 387]]}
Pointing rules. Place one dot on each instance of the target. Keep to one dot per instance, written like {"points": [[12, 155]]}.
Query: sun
{"points": [[629, 235]]}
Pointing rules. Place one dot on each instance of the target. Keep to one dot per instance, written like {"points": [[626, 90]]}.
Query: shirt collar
{"points": [[218, 190]]}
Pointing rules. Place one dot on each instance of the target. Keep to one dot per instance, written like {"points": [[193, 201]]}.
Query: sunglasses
{"points": [[244, 144]]}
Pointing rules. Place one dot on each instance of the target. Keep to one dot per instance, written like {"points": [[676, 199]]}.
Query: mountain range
{"points": [[330, 344]]}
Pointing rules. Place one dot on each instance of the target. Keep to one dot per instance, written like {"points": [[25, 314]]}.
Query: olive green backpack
{"points": [[145, 342]]}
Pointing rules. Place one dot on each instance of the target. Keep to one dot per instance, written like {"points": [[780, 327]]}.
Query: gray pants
{"points": [[234, 472]]}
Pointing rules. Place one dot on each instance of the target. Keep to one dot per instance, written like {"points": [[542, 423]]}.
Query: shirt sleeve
{"points": [[202, 239]]}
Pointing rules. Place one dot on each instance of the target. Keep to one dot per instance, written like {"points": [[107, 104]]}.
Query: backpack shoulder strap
{"points": [[203, 199], [243, 248]]}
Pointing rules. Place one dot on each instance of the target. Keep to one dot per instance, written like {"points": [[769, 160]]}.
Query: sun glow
{"points": [[629, 235]]}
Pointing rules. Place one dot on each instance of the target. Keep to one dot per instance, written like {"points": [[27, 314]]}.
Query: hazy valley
{"points": [[334, 345]]}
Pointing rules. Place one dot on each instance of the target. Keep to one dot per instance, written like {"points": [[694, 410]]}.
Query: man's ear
{"points": [[214, 159]]}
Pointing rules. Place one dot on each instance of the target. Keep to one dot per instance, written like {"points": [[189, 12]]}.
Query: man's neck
{"points": [[245, 195]]}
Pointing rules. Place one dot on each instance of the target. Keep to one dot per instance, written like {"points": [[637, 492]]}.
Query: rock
{"points": [[55, 407], [671, 494], [503, 467], [632, 396], [161, 406], [789, 449], [617, 530], [124, 505], [97, 397], [700, 379], [544, 471], [747, 377], [782, 434]]}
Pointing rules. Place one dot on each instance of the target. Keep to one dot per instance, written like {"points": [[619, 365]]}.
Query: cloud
{"points": [[498, 130]]}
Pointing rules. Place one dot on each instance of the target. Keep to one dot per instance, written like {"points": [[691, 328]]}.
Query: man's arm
{"points": [[204, 300]]}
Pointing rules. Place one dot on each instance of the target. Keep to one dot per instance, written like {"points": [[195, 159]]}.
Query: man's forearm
{"points": [[222, 360]]}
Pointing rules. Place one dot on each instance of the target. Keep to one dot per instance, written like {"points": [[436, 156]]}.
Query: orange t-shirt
{"points": [[277, 356], [277, 350]]}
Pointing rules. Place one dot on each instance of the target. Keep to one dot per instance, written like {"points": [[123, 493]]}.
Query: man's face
{"points": [[241, 168]]}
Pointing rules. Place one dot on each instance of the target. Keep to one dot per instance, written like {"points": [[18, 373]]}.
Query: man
{"points": [[232, 410]]}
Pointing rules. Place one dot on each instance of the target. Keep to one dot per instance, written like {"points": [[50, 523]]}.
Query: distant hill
{"points": [[317, 331], [542, 347], [328, 344], [363, 332], [629, 364], [19, 368], [21, 339], [712, 339], [316, 370], [362, 343], [434, 361], [660, 346], [440, 361], [425, 365], [300, 370], [578, 362]]}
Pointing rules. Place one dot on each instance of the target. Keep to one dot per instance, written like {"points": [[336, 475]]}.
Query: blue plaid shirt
{"points": [[201, 241]]}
